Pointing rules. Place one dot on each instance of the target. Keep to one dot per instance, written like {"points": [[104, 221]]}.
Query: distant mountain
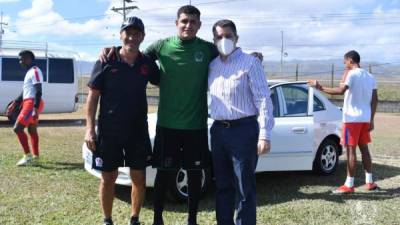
{"points": [[309, 68], [323, 68]]}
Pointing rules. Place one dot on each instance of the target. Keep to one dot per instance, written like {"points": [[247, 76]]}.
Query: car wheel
{"points": [[327, 157], [179, 188], [14, 114]]}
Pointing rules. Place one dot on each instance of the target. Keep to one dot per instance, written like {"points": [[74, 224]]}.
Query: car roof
{"points": [[274, 82]]}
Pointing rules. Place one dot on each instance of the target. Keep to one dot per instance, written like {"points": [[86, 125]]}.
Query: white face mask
{"points": [[225, 46]]}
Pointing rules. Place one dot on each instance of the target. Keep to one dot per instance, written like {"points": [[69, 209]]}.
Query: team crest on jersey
{"points": [[198, 56], [114, 71], [144, 69]]}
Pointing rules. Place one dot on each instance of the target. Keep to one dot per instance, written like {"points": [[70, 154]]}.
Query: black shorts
{"points": [[175, 149], [133, 151]]}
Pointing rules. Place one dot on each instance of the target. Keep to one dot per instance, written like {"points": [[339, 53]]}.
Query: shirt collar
{"points": [[30, 66], [185, 43], [119, 59]]}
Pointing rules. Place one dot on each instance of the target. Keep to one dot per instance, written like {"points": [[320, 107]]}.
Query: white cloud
{"points": [[9, 33], [44, 21]]}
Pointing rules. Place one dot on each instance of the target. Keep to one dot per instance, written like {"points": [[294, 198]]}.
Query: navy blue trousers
{"points": [[234, 155]]}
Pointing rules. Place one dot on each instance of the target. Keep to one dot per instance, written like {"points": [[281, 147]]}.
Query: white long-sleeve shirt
{"points": [[239, 89]]}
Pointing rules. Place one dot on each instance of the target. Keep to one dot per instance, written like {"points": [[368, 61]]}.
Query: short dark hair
{"points": [[224, 23], [353, 55], [27, 53], [188, 9]]}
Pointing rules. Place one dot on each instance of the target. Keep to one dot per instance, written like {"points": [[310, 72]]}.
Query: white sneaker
{"points": [[24, 160]]}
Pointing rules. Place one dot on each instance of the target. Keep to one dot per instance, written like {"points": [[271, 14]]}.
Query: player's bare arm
{"points": [[91, 104]]}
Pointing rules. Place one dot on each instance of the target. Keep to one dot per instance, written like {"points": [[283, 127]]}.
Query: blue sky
{"points": [[312, 29], [66, 8]]}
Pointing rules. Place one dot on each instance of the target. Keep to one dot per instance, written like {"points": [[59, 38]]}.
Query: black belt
{"points": [[229, 123]]}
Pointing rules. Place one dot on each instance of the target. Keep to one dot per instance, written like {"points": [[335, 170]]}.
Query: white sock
{"points": [[349, 182], [368, 178]]}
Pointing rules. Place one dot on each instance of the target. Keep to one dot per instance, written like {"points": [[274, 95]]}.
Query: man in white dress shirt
{"points": [[242, 109]]}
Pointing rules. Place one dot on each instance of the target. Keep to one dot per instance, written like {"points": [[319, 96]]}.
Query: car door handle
{"points": [[299, 130]]}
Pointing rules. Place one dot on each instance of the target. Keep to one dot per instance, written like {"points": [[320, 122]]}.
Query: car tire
{"points": [[178, 190], [14, 114], [327, 158]]}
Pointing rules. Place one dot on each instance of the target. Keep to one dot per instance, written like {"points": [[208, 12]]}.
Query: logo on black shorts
{"points": [[99, 162]]}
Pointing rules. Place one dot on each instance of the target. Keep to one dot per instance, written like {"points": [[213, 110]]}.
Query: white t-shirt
{"points": [[358, 96], [32, 77]]}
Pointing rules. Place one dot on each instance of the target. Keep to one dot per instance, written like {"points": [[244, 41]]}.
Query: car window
{"points": [[61, 70], [11, 70], [296, 100], [318, 105], [275, 102]]}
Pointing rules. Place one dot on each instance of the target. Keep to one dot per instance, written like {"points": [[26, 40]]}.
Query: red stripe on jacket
{"points": [[36, 74]]}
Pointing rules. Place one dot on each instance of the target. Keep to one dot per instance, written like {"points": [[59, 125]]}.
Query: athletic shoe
{"points": [[158, 223], [24, 160], [344, 190], [370, 186], [108, 222], [134, 221], [35, 160]]}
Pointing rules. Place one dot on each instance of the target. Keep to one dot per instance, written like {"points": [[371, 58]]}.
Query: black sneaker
{"points": [[108, 222], [158, 223], [134, 223]]}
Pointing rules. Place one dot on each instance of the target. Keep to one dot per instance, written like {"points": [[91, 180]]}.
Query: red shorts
{"points": [[354, 134], [25, 116]]}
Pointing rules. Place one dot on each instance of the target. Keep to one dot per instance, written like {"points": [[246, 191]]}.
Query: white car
{"points": [[305, 137]]}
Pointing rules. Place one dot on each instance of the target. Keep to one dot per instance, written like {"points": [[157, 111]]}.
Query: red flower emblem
{"points": [[144, 70], [114, 71]]}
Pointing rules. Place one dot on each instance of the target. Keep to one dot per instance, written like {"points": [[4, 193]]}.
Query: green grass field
{"points": [[58, 191]]}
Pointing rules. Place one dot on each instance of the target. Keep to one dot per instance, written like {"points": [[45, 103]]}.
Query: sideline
{"points": [[52, 123]]}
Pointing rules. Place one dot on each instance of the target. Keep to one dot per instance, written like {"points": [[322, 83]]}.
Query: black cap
{"points": [[134, 22]]}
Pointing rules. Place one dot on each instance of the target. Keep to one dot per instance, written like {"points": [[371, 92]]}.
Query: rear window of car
{"points": [[318, 105]]}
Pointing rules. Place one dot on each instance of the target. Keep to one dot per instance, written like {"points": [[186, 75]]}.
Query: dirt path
{"points": [[387, 123]]}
